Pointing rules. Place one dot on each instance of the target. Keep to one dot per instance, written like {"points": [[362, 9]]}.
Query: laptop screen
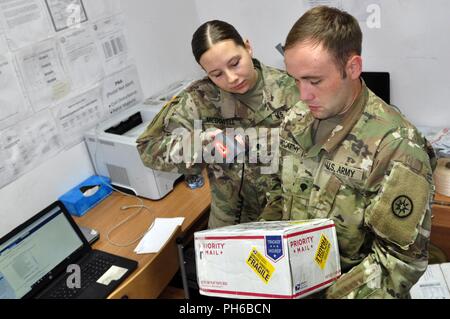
{"points": [[31, 254]]}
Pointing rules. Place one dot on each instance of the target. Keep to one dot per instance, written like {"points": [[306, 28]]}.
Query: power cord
{"points": [[141, 206], [240, 197]]}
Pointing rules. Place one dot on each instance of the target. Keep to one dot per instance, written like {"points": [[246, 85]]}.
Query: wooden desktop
{"points": [[155, 270], [440, 229]]}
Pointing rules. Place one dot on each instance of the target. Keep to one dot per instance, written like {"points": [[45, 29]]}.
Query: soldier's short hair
{"points": [[337, 31], [211, 32]]}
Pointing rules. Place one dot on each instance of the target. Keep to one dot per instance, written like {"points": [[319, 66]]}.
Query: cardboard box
{"points": [[282, 259], [86, 195]]}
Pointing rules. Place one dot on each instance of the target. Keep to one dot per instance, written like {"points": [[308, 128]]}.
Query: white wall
{"points": [[412, 44], [264, 22], [159, 35]]}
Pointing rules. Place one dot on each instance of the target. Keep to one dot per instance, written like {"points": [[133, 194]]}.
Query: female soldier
{"points": [[238, 92]]}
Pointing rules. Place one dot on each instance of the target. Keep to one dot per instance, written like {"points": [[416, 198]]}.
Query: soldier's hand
{"points": [[209, 135]]}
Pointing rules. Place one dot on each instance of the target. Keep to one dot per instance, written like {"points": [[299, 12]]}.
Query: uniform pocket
{"points": [[300, 198], [322, 199]]}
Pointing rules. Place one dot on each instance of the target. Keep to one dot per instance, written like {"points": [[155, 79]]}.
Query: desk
{"points": [[154, 271], [440, 223]]}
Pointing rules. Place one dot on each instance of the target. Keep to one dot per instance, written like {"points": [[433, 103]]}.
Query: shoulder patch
{"points": [[401, 206]]}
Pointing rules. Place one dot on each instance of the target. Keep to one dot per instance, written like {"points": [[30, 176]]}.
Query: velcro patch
{"points": [[401, 206], [290, 147], [344, 170], [219, 121]]}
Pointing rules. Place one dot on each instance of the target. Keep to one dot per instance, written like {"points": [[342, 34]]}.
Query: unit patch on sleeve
{"points": [[401, 206]]}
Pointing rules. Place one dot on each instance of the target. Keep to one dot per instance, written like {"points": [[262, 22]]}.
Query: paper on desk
{"points": [[113, 273], [159, 233], [432, 284]]}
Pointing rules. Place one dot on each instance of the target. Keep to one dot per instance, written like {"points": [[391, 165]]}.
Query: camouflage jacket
{"points": [[238, 190], [373, 177]]}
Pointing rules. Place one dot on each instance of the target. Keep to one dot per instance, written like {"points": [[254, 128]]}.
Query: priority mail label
{"points": [[302, 244], [211, 248]]}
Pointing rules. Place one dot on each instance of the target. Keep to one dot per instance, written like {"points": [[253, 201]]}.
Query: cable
{"points": [[126, 220], [140, 206], [240, 197]]}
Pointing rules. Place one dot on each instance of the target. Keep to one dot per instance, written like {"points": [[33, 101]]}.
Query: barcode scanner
{"points": [[229, 146]]}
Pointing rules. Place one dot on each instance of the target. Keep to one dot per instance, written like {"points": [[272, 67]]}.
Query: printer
{"points": [[112, 148]]}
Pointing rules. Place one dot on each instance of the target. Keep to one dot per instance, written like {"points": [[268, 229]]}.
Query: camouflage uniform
{"points": [[373, 177], [238, 190]]}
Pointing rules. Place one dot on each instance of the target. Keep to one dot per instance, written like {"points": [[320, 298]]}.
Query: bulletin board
{"points": [[64, 67]]}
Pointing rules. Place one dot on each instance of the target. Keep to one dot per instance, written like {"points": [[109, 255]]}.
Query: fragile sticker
{"points": [[322, 252], [260, 265]]}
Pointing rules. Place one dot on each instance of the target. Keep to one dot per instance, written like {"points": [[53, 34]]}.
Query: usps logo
{"points": [[274, 247]]}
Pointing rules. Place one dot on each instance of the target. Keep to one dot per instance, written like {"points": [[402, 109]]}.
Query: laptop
{"points": [[48, 257]]}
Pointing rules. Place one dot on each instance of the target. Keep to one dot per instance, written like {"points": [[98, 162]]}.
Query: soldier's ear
{"points": [[354, 67], [248, 47]]}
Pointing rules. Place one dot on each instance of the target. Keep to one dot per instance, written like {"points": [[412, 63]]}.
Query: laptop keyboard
{"points": [[90, 272]]}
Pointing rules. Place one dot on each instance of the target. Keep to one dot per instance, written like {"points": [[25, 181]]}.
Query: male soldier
{"points": [[348, 156], [239, 92]]}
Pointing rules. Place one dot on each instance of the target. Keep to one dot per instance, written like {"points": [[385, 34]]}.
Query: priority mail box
{"points": [[281, 259]]}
